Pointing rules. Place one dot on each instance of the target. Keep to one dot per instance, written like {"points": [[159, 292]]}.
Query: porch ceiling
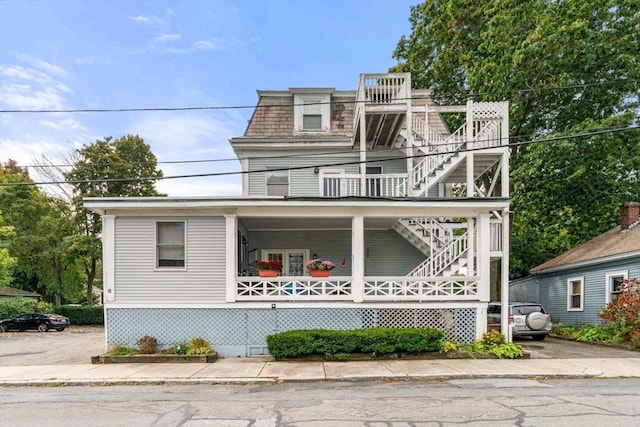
{"points": [[257, 223]]}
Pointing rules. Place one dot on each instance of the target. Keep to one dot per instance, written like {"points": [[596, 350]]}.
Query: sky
{"points": [[114, 54]]}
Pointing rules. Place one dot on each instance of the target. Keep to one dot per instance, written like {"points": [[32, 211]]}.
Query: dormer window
{"points": [[312, 112]]}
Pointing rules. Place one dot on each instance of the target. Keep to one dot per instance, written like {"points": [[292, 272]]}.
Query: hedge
{"points": [[82, 315], [374, 341]]}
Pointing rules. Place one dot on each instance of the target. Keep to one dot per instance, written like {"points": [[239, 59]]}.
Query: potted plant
{"points": [[268, 268], [319, 268]]}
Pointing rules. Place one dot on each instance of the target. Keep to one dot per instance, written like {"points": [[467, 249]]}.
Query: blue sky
{"points": [[135, 54]]}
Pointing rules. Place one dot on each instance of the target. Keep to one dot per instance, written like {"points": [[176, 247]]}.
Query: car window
{"points": [[523, 310]]}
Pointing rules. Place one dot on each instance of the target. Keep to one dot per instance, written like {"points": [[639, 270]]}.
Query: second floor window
{"points": [[312, 112], [277, 183], [312, 115]]}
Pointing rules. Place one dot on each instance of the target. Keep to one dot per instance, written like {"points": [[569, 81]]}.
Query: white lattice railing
{"points": [[423, 289], [345, 185], [340, 288], [442, 258], [487, 134], [293, 288]]}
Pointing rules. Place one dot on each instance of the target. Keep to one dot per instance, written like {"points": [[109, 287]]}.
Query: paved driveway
{"points": [[74, 346], [77, 344], [554, 348]]}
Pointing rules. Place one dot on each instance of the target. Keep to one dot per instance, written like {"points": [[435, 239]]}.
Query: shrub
{"points": [[448, 347], [199, 346], [493, 337], [119, 350], [334, 344], [181, 348], [506, 350], [147, 345], [82, 315], [13, 307]]}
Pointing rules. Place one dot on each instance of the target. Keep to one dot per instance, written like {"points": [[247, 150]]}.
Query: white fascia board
{"points": [[310, 305], [312, 90], [279, 207], [587, 263]]}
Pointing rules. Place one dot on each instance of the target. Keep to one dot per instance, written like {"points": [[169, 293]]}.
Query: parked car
{"points": [[38, 321], [528, 319]]}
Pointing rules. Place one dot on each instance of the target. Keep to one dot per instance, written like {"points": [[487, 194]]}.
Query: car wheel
{"points": [[536, 321], [3, 328], [43, 327], [539, 337], [59, 329]]}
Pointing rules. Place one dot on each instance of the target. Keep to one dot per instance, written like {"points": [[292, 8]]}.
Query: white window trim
{"points": [[155, 244], [609, 276], [266, 186], [325, 112], [569, 294]]}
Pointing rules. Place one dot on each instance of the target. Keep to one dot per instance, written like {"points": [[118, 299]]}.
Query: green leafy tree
{"points": [[107, 168], [565, 67], [7, 262]]}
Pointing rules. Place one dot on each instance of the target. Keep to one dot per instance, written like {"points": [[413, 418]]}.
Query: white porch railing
{"points": [[438, 149], [442, 258], [345, 185], [402, 288], [421, 289], [287, 288], [381, 89]]}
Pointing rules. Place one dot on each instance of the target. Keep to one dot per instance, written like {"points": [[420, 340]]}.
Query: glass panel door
{"points": [[295, 261]]}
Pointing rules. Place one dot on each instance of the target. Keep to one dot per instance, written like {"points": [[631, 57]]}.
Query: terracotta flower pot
{"points": [[268, 273], [320, 273]]}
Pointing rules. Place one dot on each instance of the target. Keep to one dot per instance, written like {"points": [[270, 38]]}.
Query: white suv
{"points": [[528, 319]]}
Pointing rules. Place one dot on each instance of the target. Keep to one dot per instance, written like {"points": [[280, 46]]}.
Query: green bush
{"points": [[13, 307], [199, 346], [119, 350], [337, 345], [82, 315]]}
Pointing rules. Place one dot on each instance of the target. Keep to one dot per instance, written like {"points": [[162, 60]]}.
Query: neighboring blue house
{"points": [[577, 284], [370, 179]]}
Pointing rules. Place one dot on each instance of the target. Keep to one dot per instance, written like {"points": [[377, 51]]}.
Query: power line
{"points": [[358, 162], [240, 107]]}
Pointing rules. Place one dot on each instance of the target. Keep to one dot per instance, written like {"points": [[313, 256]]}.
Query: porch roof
{"points": [[298, 206]]}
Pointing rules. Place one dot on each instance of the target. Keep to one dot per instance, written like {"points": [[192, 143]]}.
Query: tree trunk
{"points": [[91, 276]]}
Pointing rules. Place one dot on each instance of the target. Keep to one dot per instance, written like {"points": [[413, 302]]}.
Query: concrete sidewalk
{"points": [[252, 370]]}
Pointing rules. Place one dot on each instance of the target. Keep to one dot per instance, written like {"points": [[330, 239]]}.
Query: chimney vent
{"points": [[629, 215]]}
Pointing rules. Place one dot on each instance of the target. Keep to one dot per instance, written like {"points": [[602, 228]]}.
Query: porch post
{"points": [[363, 151], [504, 291], [109, 257], [230, 257], [357, 250], [469, 146], [483, 270]]}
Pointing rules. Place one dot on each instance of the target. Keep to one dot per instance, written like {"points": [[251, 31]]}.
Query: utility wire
{"points": [[240, 107], [290, 168]]}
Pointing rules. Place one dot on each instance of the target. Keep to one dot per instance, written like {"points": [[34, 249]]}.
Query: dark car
{"points": [[38, 321]]}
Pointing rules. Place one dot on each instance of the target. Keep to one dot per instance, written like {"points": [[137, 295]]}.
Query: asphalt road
{"points": [[77, 344], [488, 402]]}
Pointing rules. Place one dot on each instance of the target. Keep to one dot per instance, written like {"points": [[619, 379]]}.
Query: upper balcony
{"points": [[384, 100]]}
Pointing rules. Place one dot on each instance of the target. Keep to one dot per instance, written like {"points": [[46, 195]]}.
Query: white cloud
{"points": [[167, 37], [64, 125], [37, 87], [142, 19]]}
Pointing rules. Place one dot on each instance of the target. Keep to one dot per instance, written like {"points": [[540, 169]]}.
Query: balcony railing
{"points": [[382, 89], [345, 185], [340, 288]]}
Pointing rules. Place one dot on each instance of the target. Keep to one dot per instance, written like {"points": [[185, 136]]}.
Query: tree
{"points": [[41, 224], [107, 168], [7, 262], [565, 67]]}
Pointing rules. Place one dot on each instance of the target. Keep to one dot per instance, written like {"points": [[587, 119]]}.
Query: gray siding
{"points": [[553, 291], [137, 280], [386, 252], [526, 289], [304, 182]]}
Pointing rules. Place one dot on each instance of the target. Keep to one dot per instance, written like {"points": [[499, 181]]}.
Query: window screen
{"points": [[170, 244]]}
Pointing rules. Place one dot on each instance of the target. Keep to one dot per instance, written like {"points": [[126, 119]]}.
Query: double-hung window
{"points": [[575, 294], [277, 183], [170, 244], [614, 282], [312, 111]]}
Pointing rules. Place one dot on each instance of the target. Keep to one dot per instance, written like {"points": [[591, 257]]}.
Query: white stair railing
{"points": [[438, 149], [443, 258]]}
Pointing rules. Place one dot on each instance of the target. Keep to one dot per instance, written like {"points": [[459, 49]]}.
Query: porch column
{"points": [[109, 257], [469, 146], [363, 151], [471, 244], [483, 256], [230, 257], [504, 284], [357, 251]]}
